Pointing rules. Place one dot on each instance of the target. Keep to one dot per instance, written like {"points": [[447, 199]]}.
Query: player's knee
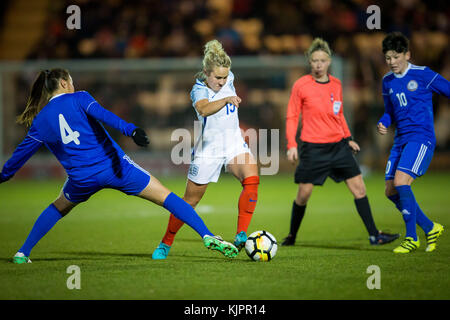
{"points": [[389, 191], [251, 181], [63, 205], [399, 182], [192, 201], [402, 178], [63, 211]]}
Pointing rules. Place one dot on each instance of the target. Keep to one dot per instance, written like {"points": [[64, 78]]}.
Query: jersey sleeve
{"points": [[386, 118], [199, 92], [23, 152], [95, 110], [292, 116], [436, 83]]}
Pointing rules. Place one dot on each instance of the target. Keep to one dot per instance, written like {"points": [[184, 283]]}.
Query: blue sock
{"points": [[183, 211], [43, 224], [408, 209], [422, 220]]}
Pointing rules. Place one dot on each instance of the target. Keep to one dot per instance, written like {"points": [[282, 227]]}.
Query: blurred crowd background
{"points": [[168, 29]]}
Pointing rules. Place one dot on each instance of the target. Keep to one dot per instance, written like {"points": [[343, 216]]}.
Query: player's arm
{"points": [[386, 119], [292, 117], [20, 156], [206, 108], [438, 84], [95, 110], [199, 96]]}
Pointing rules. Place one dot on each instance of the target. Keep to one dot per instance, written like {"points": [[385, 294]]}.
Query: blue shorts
{"points": [[412, 158], [127, 177]]}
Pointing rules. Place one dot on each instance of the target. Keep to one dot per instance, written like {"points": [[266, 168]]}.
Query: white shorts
{"points": [[206, 169]]}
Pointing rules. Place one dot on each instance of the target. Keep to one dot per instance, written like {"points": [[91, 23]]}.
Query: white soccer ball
{"points": [[261, 246]]}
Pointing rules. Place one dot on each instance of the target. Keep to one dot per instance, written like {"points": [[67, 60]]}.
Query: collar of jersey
{"points": [[201, 83], [56, 96], [404, 73]]}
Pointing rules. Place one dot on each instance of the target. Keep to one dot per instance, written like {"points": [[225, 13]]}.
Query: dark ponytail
{"points": [[45, 84]]}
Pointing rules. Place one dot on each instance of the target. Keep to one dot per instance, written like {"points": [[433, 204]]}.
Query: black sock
{"points": [[296, 218], [363, 208]]}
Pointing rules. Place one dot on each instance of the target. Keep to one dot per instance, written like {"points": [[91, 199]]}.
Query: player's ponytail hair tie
{"points": [[47, 75]]}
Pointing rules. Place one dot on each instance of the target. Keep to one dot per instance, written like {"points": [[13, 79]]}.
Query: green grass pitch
{"points": [[112, 236]]}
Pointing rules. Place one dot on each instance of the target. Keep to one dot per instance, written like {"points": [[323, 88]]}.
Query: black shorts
{"points": [[321, 160]]}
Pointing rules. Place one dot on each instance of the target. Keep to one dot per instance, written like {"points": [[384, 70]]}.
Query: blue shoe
{"points": [[240, 239], [383, 238], [161, 252]]}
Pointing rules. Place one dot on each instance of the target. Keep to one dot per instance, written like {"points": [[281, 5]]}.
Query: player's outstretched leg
{"points": [[44, 223], [193, 194], [160, 195]]}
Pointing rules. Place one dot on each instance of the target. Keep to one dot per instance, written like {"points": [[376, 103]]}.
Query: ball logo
{"points": [[412, 85]]}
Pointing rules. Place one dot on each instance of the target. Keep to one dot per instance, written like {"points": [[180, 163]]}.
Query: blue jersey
{"points": [[408, 103], [70, 127]]}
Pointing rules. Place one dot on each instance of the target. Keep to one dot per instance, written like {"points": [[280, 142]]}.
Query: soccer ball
{"points": [[261, 246]]}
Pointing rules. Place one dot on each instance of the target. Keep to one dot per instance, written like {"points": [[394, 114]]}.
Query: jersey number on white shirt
{"points": [[230, 108], [67, 134]]}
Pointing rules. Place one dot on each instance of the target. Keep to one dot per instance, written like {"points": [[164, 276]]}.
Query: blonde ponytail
{"points": [[214, 56]]}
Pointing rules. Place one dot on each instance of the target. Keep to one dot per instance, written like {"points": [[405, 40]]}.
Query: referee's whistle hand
{"points": [[292, 155]]}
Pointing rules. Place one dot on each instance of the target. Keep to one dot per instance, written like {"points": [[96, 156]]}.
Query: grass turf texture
{"points": [[112, 236]]}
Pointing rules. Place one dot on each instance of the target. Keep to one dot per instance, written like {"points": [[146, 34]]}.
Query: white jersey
{"points": [[220, 130], [220, 140]]}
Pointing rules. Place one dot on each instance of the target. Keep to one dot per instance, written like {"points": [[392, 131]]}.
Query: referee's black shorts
{"points": [[321, 160]]}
